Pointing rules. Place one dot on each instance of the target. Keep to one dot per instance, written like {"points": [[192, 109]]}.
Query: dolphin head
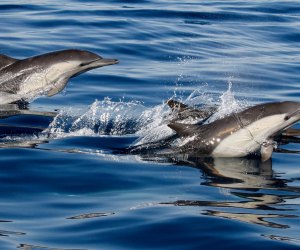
{"points": [[279, 117], [252, 130], [268, 122], [282, 115], [291, 111], [80, 61], [72, 63], [269, 119]]}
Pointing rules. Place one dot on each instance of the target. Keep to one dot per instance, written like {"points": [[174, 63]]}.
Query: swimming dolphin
{"points": [[240, 134], [45, 74]]}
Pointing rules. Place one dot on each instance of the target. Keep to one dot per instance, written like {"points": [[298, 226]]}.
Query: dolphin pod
{"points": [[46, 74], [255, 130]]}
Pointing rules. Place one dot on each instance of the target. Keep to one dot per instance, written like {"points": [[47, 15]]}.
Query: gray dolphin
{"points": [[45, 74], [239, 134]]}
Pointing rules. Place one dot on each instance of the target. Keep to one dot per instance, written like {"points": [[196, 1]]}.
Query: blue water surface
{"points": [[73, 191]]}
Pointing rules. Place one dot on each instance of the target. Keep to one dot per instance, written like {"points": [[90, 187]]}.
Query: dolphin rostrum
{"points": [[45, 74], [251, 131]]}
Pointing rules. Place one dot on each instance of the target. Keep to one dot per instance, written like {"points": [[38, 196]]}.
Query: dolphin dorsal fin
{"points": [[182, 129], [6, 60], [176, 105]]}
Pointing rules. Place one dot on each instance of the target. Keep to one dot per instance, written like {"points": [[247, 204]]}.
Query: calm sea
{"points": [[66, 188]]}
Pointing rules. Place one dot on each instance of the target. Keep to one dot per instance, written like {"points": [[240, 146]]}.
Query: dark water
{"points": [[66, 189]]}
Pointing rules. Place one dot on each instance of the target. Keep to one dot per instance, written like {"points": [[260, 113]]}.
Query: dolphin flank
{"points": [[45, 74]]}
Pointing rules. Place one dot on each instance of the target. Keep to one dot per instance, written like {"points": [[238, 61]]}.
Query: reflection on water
{"points": [[8, 233], [89, 216], [32, 247], [256, 183], [282, 238], [9, 110], [258, 219]]}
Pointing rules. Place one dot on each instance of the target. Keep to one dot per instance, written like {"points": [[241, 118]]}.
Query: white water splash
{"points": [[149, 124], [155, 120], [113, 118], [228, 104], [200, 96], [106, 118], [100, 118]]}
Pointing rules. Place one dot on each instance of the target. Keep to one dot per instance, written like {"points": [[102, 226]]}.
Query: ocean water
{"points": [[62, 184]]}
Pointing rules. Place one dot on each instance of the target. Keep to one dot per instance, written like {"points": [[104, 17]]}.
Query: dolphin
{"points": [[251, 131], [46, 74]]}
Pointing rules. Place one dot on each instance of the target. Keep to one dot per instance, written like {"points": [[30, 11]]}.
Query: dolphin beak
{"points": [[104, 62], [109, 61], [99, 63], [295, 113]]}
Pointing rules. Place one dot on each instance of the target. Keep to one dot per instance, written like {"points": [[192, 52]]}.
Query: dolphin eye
{"points": [[286, 117], [83, 64]]}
